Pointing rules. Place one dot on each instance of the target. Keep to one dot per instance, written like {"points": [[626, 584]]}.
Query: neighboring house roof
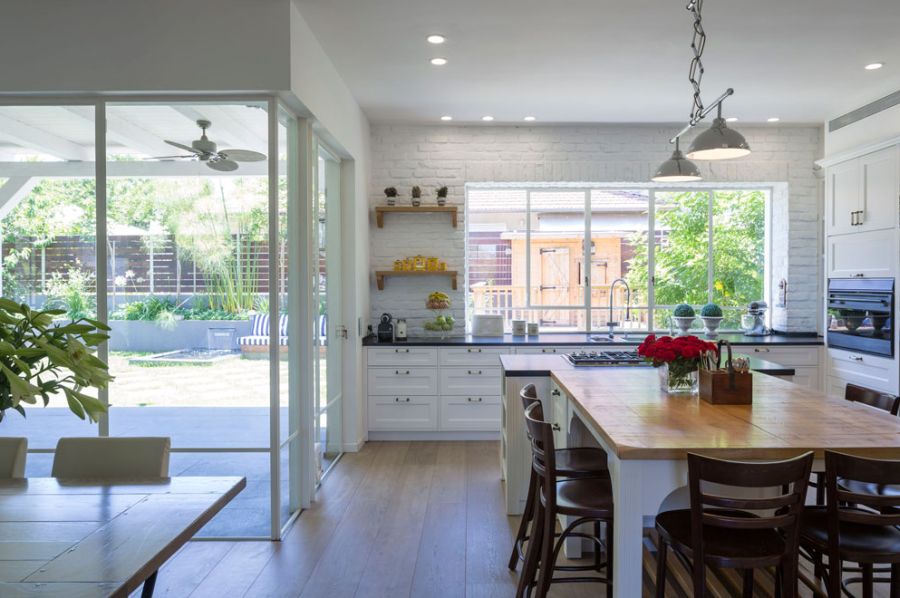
{"points": [[513, 200]]}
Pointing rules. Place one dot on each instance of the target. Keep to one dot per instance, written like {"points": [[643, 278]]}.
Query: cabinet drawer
{"points": [[543, 350], [862, 254], [470, 381], [877, 373], [792, 355], [470, 413], [403, 381], [388, 356], [402, 413], [477, 356]]}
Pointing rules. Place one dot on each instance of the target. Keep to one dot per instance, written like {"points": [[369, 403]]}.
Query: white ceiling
{"points": [[605, 61]]}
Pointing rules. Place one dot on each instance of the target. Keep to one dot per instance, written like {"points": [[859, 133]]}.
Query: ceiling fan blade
{"points": [[171, 157], [242, 155], [182, 146], [223, 165]]}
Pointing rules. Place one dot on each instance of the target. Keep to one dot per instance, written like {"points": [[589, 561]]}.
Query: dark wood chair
{"points": [[574, 463], [860, 527], [585, 500], [730, 531]]}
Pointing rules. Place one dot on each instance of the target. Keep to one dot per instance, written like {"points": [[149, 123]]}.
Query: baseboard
{"points": [[401, 436], [353, 447]]}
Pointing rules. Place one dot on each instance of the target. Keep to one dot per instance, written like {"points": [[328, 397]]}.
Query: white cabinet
{"points": [[402, 356], [471, 380], [402, 380], [878, 373], [470, 413], [544, 350], [866, 254], [474, 356], [862, 193], [402, 413]]}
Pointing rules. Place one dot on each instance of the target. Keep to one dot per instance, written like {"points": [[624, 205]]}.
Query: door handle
{"points": [[556, 428], [474, 350], [855, 358], [852, 218], [397, 400], [399, 373], [554, 392], [860, 218], [474, 372], [401, 350], [473, 400]]}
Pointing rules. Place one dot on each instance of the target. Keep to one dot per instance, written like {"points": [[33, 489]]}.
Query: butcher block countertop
{"points": [[636, 420]]}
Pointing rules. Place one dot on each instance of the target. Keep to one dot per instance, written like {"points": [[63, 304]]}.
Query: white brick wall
{"points": [[431, 156]]}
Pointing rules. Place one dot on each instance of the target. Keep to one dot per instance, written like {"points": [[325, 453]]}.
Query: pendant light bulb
{"points": [[677, 169], [718, 142]]}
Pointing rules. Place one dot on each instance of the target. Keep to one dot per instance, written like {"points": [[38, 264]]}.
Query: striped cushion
{"points": [[260, 341], [283, 324], [259, 325]]}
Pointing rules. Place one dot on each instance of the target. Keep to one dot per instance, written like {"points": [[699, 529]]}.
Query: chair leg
{"points": [[527, 517], [661, 555], [835, 567], [598, 561], [149, 584], [895, 580], [868, 581], [748, 584], [820, 488], [609, 558], [547, 560], [789, 578], [818, 568], [532, 554]]}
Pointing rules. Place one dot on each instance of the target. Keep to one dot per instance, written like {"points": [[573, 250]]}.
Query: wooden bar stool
{"points": [[737, 532], [572, 463], [587, 500], [860, 527]]}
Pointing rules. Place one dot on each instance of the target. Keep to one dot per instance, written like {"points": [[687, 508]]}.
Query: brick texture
{"points": [[431, 156]]}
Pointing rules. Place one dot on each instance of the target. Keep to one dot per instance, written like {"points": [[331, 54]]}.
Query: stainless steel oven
{"points": [[861, 315]]}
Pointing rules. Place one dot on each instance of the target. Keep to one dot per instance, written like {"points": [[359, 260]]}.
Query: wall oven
{"points": [[861, 315]]}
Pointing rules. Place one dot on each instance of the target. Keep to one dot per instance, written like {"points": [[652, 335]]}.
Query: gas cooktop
{"points": [[605, 358]]}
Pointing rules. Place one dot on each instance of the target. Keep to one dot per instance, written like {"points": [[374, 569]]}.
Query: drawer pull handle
{"points": [[474, 350], [397, 400], [758, 350], [548, 350], [401, 350], [556, 428], [555, 392], [399, 373], [473, 400], [474, 372], [855, 358]]}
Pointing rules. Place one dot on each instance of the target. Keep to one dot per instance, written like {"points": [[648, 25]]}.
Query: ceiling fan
{"points": [[203, 149]]}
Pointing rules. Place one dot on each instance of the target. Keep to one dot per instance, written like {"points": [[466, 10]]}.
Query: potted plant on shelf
{"points": [[391, 194], [678, 360], [416, 194], [438, 302], [442, 196], [711, 314], [684, 316], [40, 358]]}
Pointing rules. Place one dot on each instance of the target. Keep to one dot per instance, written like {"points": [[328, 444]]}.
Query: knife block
{"points": [[726, 387]]}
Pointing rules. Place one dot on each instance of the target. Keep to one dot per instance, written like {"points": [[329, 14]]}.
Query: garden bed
{"points": [[152, 337]]}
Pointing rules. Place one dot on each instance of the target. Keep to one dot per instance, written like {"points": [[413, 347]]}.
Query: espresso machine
{"points": [[754, 321]]}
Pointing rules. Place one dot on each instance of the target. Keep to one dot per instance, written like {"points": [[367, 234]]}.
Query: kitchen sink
{"points": [[618, 338]]}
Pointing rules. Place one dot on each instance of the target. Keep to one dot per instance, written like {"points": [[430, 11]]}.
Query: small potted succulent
{"points": [[391, 194], [442, 196], [416, 194], [684, 317], [711, 314]]}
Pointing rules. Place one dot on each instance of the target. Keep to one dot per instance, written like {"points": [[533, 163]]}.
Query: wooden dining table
{"points": [[81, 538], [647, 435]]}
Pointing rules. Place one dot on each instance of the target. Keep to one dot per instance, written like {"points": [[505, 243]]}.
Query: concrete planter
{"points": [[142, 336]]}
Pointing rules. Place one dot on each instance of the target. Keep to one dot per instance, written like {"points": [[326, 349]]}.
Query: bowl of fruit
{"points": [[442, 323]]}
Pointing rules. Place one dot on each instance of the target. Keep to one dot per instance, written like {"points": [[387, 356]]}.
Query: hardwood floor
{"points": [[420, 519]]}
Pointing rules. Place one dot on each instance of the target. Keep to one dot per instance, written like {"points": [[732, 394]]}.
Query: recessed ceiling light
{"points": [[435, 39], [874, 66], [487, 118], [529, 118], [438, 61], [773, 119], [731, 119], [447, 117]]}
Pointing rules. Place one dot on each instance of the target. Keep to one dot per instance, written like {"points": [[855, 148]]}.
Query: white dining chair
{"points": [[112, 458], [12, 457]]}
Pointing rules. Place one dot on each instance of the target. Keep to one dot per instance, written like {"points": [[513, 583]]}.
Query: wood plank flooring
{"points": [[397, 519]]}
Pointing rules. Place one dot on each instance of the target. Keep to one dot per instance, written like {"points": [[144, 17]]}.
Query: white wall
{"points": [[451, 155]]}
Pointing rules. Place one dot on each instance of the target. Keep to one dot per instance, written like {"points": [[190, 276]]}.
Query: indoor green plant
{"points": [[39, 359], [711, 314], [442, 196], [684, 317], [416, 194], [391, 194]]}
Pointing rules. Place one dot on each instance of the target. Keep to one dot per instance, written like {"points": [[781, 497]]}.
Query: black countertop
{"points": [[540, 365], [579, 339]]}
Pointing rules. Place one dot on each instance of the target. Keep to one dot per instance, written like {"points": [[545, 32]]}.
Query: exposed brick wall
{"points": [[431, 156]]}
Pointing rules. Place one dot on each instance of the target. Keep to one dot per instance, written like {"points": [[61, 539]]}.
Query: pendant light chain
{"points": [[695, 72]]}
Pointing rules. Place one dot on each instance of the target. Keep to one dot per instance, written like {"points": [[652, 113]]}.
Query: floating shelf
{"points": [[380, 211], [381, 274]]}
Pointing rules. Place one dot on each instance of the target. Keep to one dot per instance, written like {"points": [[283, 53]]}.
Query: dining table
{"points": [[647, 434], [83, 538]]}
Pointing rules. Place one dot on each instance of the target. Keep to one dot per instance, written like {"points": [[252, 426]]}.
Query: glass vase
{"points": [[679, 378]]}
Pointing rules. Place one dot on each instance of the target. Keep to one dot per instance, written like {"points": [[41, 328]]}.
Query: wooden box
{"points": [[724, 387]]}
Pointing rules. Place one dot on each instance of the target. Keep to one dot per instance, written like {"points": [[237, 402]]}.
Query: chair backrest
{"points": [[879, 509], [529, 396], [873, 398], [786, 482], [12, 457], [543, 455], [112, 458]]}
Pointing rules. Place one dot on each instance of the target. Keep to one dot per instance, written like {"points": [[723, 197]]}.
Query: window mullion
{"points": [[710, 272], [651, 260], [588, 265], [528, 248]]}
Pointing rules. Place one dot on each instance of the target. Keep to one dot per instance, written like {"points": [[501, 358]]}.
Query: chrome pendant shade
{"points": [[677, 169], [718, 142]]}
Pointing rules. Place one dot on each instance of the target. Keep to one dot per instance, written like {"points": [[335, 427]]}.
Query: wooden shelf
{"points": [[380, 211], [381, 274]]}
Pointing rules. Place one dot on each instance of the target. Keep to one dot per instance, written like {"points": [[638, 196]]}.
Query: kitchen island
{"points": [[647, 435]]}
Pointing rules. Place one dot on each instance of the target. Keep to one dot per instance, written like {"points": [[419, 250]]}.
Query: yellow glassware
{"points": [[398, 265], [431, 264]]}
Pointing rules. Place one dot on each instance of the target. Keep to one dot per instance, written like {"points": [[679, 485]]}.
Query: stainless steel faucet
{"points": [[612, 287]]}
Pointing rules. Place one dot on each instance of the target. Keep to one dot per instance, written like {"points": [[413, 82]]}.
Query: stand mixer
{"points": [[754, 321]]}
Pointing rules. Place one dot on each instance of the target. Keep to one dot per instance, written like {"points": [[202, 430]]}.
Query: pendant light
{"points": [[677, 169], [718, 142]]}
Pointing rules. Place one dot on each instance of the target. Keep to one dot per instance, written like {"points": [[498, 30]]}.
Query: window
{"points": [[568, 257]]}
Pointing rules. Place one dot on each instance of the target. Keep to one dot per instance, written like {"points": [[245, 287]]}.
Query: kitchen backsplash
{"points": [[432, 156]]}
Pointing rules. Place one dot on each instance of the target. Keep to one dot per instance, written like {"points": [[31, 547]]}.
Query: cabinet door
{"points": [[842, 197], [870, 371], [880, 173], [402, 414], [402, 356], [473, 413], [476, 356], [870, 254], [470, 381], [403, 381]]}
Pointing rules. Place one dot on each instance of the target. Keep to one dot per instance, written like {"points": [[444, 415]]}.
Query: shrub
{"points": [[711, 310], [684, 310]]}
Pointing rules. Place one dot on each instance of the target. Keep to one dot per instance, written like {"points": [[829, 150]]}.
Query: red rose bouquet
{"points": [[681, 356]]}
